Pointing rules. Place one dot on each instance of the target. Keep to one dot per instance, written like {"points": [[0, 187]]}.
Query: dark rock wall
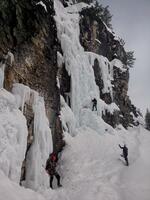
{"points": [[121, 98], [65, 84], [95, 37], [29, 32]]}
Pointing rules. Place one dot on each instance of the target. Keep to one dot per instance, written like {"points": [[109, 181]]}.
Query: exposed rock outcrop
{"points": [[95, 36]]}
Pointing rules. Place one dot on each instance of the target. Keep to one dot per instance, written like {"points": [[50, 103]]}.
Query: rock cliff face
{"points": [[28, 30], [95, 36]]}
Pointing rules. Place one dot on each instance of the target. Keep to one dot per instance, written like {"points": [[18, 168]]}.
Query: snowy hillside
{"points": [[91, 168], [90, 164]]}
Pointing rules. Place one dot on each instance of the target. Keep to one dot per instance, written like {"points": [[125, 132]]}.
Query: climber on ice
{"points": [[94, 104], [51, 169], [125, 153]]}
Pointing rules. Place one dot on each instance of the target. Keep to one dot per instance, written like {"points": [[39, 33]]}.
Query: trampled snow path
{"points": [[91, 168], [136, 179]]}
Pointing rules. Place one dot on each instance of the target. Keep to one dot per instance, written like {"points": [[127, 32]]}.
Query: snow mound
{"points": [[12, 191], [89, 119], [13, 134]]}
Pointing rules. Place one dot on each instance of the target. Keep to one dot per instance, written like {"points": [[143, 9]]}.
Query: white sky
{"points": [[131, 21]]}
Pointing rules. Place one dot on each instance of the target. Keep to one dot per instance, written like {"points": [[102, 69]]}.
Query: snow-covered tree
{"points": [[130, 58], [147, 120], [98, 11], [106, 16]]}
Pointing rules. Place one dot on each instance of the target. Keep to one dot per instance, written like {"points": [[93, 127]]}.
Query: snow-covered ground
{"points": [[91, 168], [12, 191], [90, 165], [136, 179]]}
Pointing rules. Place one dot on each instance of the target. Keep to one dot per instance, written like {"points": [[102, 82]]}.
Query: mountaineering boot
{"points": [[51, 180], [59, 185]]}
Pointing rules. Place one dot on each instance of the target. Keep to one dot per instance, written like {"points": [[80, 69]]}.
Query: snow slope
{"points": [[13, 136], [136, 179], [12, 191], [91, 167]]}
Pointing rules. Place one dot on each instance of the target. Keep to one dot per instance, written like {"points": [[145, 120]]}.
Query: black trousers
{"points": [[126, 159], [52, 177], [94, 106]]}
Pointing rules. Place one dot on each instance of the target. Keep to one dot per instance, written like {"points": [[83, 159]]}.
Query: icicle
{"points": [[10, 57], [60, 59], [2, 69], [22, 94], [42, 145]]}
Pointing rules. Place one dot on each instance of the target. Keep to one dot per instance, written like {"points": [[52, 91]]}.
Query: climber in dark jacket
{"points": [[125, 153], [51, 169], [94, 104]]}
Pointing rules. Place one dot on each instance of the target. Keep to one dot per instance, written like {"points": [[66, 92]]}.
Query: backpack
{"points": [[50, 167], [53, 157]]}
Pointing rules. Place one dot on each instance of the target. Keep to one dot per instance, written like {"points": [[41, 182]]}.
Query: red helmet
{"points": [[53, 156]]}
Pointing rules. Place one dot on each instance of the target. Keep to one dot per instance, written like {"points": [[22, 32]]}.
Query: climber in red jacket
{"points": [[51, 169]]}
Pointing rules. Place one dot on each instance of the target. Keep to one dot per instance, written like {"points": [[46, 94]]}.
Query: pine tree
{"points": [[130, 58], [147, 120], [106, 16]]}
